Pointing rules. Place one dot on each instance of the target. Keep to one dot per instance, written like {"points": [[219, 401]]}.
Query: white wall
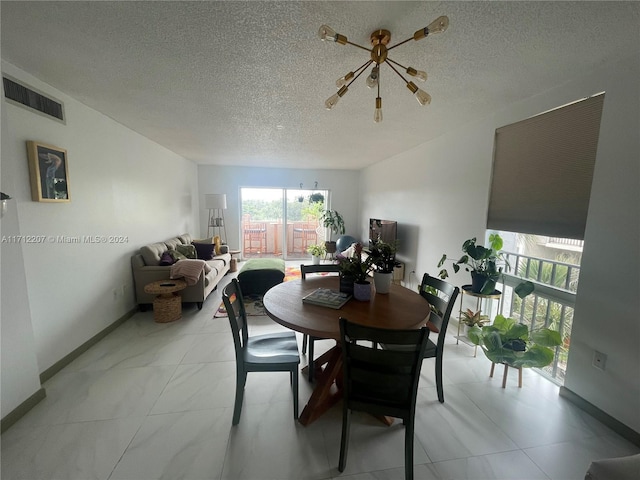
{"points": [[120, 184], [440, 194], [342, 184]]}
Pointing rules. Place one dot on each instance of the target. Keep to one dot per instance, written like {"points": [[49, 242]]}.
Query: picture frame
{"points": [[49, 173]]}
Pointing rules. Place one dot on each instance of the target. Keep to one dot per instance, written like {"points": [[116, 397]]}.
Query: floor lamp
{"points": [[216, 203]]}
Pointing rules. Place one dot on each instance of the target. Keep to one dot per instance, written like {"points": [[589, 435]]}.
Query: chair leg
{"points": [[408, 449], [439, 377], [344, 439], [294, 383], [241, 378], [305, 339], [311, 366]]}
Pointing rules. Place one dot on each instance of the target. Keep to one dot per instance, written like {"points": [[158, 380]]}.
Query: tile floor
{"points": [[154, 401]]}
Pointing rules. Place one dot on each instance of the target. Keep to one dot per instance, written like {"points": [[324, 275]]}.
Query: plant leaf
{"points": [[524, 289], [546, 337], [475, 335], [443, 273], [442, 260], [518, 330]]}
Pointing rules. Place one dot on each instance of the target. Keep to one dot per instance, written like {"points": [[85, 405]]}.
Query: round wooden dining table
{"points": [[400, 309]]}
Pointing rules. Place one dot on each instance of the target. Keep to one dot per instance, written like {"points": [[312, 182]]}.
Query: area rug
{"points": [[252, 305]]}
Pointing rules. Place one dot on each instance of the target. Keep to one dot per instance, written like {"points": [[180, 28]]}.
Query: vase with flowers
{"points": [[357, 270]]}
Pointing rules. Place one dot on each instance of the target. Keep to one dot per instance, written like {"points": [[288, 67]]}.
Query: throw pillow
{"points": [[165, 259], [216, 242], [204, 251], [188, 251], [175, 255]]}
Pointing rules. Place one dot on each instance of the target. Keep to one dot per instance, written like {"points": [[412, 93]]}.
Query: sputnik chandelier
{"points": [[379, 55]]}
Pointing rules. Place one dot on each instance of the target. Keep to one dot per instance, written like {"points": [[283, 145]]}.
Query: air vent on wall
{"points": [[28, 97]]}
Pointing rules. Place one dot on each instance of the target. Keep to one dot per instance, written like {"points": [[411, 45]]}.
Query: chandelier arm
{"points": [[399, 74], [398, 44], [398, 64], [359, 46], [362, 69]]}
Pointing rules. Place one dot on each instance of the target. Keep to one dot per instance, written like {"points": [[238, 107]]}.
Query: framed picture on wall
{"points": [[49, 173]]}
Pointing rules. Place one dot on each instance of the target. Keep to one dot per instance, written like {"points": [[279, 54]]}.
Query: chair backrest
{"points": [[234, 304], [323, 267], [441, 296], [379, 381]]}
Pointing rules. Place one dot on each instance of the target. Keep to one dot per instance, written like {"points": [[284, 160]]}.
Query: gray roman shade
{"points": [[542, 171]]}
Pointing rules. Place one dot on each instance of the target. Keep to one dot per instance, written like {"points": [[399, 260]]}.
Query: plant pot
{"points": [[480, 283], [382, 281], [346, 284], [362, 291], [315, 259]]}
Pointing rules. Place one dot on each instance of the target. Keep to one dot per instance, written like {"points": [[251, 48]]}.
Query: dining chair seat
{"points": [[272, 349]]}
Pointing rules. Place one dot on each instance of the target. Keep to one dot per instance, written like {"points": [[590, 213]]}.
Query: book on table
{"points": [[325, 297]]}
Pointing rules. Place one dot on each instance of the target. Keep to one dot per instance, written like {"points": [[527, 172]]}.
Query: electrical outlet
{"points": [[599, 360]]}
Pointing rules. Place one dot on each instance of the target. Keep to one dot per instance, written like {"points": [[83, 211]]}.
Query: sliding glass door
{"points": [[280, 222]]}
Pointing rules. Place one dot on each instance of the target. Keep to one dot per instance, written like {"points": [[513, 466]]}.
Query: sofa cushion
{"points": [[172, 243], [151, 253], [188, 251], [204, 251], [185, 238]]}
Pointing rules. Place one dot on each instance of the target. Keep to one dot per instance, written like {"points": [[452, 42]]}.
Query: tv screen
{"points": [[384, 230]]}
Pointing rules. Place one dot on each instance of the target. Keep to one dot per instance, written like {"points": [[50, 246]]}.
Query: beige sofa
{"points": [[146, 269]]}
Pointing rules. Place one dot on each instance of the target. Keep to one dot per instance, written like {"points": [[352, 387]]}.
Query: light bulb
{"points": [[343, 80], [326, 33], [439, 25], [377, 113], [422, 97], [418, 74], [333, 99], [372, 79]]}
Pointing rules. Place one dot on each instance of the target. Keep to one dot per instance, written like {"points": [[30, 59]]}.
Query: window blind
{"points": [[543, 169]]}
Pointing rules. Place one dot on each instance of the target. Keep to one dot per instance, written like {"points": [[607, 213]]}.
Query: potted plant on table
{"points": [[332, 220], [383, 257], [486, 265], [355, 270], [316, 252]]}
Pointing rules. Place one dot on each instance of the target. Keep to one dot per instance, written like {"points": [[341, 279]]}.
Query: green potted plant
{"points": [[355, 270], [316, 252], [511, 343], [469, 319], [486, 265], [383, 258], [333, 221]]}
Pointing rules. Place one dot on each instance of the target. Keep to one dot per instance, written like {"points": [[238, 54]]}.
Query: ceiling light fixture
{"points": [[379, 55]]}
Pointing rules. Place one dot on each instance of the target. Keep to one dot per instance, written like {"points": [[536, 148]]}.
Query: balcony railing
{"points": [[550, 305]]}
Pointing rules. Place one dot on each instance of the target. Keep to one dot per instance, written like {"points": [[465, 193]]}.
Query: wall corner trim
{"points": [[18, 412]]}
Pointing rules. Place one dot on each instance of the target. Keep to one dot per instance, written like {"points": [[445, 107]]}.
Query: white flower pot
{"points": [[316, 259], [382, 281]]}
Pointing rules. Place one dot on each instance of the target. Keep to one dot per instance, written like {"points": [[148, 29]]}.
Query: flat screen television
{"points": [[385, 230]]}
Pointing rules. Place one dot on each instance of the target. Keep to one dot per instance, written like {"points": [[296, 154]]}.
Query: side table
{"points": [[466, 290], [167, 306], [233, 264]]}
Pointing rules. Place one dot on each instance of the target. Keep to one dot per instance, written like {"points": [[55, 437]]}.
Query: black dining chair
{"points": [[381, 382], [441, 296], [307, 340], [273, 352]]}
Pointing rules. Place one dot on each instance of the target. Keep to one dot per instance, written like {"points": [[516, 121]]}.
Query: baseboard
{"points": [[615, 425], [67, 359], [18, 412]]}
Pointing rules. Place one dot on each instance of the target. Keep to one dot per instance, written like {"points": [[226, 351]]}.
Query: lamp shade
{"points": [[215, 201]]}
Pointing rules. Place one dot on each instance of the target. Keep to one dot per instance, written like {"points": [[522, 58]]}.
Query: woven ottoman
{"points": [[260, 274]]}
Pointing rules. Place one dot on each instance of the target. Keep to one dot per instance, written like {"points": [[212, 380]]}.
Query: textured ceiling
{"points": [[244, 83]]}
